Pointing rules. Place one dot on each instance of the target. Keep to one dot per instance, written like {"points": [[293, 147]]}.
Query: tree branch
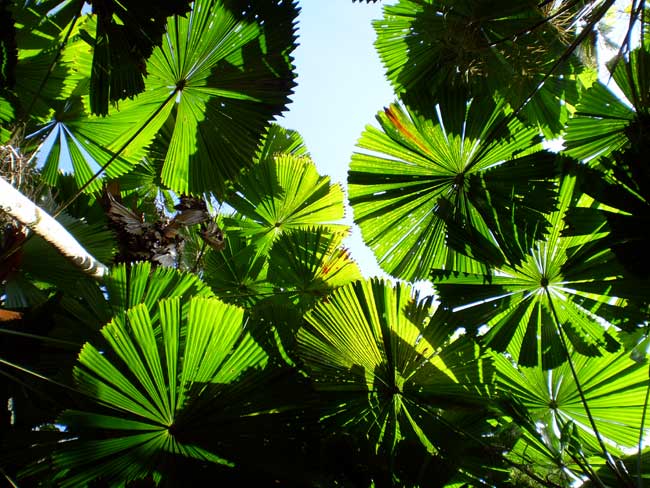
{"points": [[41, 223]]}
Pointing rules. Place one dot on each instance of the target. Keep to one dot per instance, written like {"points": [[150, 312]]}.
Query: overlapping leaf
{"points": [[311, 262], [126, 34], [430, 185], [488, 46], [567, 276], [279, 140], [219, 77], [396, 377], [602, 122], [282, 194], [237, 274], [152, 381], [614, 387]]}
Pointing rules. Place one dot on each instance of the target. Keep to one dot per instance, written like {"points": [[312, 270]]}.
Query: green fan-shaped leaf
{"points": [[483, 45], [312, 262], [282, 194], [86, 142], [147, 385], [614, 387], [217, 84], [602, 122], [396, 377], [422, 179], [229, 70], [557, 440], [237, 274], [279, 140], [567, 276]]}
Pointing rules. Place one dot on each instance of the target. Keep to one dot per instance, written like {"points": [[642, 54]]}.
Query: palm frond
{"points": [[580, 280], [147, 383], [282, 194], [485, 46], [389, 374], [435, 190], [602, 123]]}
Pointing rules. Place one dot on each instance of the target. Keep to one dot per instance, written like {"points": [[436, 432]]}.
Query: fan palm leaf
{"points": [[281, 194], [148, 382], [557, 435], [566, 278], [603, 123], [486, 46], [397, 378], [218, 78], [427, 187], [231, 73]]}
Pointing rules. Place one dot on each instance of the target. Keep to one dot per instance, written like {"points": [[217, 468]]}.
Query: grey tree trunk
{"points": [[41, 223]]}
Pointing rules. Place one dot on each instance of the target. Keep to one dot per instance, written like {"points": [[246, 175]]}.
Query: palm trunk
{"points": [[41, 223]]}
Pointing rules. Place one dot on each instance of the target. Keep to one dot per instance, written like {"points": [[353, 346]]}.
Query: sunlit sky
{"points": [[341, 86]]}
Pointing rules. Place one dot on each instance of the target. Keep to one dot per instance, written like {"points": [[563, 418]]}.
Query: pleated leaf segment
{"points": [[153, 379]]}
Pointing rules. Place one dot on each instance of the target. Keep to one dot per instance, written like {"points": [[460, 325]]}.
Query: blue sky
{"points": [[341, 86]]}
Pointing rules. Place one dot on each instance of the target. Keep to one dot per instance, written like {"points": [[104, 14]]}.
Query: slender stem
{"points": [[508, 461], [513, 37], [37, 375], [639, 480], [198, 258], [117, 153], [587, 469], [38, 337], [608, 458], [9, 480], [635, 11]]}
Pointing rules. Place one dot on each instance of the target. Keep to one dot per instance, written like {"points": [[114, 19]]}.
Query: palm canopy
{"points": [[436, 188], [565, 281]]}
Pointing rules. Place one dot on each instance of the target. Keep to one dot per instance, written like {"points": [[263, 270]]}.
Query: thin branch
{"points": [[567, 53], [9, 480], [38, 337], [37, 375], [608, 458], [537, 25], [639, 480], [21, 208]]}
